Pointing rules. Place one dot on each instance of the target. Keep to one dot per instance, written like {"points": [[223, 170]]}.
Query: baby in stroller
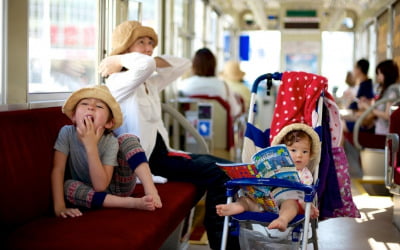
{"points": [[303, 145]]}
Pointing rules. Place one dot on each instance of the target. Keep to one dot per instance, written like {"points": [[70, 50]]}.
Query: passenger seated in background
{"points": [[365, 95], [300, 145], [233, 76], [349, 94], [205, 82], [86, 168], [387, 74]]}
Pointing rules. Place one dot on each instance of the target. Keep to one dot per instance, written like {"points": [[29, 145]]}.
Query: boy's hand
{"points": [[110, 65], [68, 212], [87, 132]]}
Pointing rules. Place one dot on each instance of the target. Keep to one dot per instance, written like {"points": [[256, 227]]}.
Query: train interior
{"points": [[49, 48]]}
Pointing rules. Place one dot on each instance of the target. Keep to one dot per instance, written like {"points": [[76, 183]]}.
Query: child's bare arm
{"points": [[57, 183], [100, 174], [144, 174]]}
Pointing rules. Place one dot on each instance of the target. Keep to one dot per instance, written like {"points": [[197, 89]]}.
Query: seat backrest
{"points": [[26, 154], [228, 128], [395, 128]]}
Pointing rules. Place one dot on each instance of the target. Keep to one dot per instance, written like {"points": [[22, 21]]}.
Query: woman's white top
{"points": [[201, 85], [211, 86], [138, 92]]}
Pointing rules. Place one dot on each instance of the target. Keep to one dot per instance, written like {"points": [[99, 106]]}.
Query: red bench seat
{"points": [[26, 219]]}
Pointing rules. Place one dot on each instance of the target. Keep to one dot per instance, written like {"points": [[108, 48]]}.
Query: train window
{"points": [[180, 43], [335, 65], [198, 24], [383, 29], [264, 53], [212, 38], [62, 45], [148, 12], [372, 49], [396, 33], [362, 44], [2, 50], [134, 10]]}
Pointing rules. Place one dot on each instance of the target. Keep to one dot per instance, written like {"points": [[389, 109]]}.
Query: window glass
{"points": [[62, 44], [362, 44], [198, 24], [150, 14], [2, 58], [336, 65], [396, 33], [212, 36], [264, 53], [178, 28], [372, 49], [382, 33]]}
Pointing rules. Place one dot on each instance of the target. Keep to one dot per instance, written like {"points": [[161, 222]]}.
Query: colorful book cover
{"points": [[275, 162], [240, 170]]}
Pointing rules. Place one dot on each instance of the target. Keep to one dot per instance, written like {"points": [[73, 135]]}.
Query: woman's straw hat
{"points": [[232, 71], [100, 92], [126, 33]]}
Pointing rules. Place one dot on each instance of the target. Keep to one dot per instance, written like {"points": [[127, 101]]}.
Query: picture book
{"points": [[271, 162], [240, 170]]}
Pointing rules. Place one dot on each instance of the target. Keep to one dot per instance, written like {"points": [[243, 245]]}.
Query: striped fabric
{"points": [[123, 182]]}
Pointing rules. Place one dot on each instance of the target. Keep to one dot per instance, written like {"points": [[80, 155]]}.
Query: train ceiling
{"points": [[309, 14]]}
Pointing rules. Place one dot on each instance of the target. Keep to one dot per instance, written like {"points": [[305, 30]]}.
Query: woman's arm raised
{"points": [[169, 68], [122, 83]]}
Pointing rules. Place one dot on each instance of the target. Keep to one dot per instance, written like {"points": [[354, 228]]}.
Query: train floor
{"points": [[374, 230]]}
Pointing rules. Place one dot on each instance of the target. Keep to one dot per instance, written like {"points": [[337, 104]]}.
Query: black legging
{"points": [[202, 171]]}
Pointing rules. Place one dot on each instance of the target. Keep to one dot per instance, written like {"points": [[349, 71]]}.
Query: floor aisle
{"points": [[374, 230]]}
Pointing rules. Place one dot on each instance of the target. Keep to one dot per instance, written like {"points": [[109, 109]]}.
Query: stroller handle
{"points": [[309, 191], [269, 77]]}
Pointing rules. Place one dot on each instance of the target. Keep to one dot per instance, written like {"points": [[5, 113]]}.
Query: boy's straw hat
{"points": [[232, 71], [126, 33], [100, 92], [316, 143]]}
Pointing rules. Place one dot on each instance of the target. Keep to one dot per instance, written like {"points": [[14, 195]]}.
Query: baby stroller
{"points": [[301, 98]]}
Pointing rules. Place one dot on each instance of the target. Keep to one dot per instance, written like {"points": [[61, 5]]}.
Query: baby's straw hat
{"points": [[232, 71], [126, 33], [316, 143], [100, 92]]}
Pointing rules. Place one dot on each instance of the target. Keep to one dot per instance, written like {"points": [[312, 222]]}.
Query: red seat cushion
{"points": [[110, 228]]}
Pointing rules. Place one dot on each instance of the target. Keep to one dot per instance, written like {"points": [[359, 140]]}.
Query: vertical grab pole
{"points": [[306, 226], [250, 118], [226, 227], [269, 77]]}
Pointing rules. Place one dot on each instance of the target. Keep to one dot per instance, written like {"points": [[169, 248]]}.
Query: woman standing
{"points": [[136, 79]]}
